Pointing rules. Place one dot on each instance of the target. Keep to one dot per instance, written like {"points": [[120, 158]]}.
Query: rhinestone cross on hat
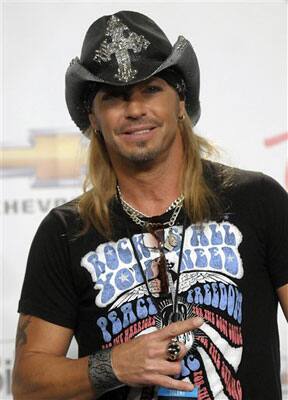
{"points": [[119, 40]]}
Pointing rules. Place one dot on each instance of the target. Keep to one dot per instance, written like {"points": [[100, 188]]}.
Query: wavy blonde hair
{"points": [[100, 183]]}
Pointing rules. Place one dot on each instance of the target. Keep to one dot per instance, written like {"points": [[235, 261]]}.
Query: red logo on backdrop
{"points": [[275, 140]]}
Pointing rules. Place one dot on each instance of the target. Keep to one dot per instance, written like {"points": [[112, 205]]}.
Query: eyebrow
{"points": [[126, 90]]}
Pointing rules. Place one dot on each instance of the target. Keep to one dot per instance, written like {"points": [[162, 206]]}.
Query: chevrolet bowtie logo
{"points": [[53, 159]]}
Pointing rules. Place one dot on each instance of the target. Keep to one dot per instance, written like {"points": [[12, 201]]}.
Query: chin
{"points": [[141, 154], [141, 158]]}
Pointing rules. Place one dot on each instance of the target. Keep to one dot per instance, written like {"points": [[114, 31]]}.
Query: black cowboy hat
{"points": [[124, 49]]}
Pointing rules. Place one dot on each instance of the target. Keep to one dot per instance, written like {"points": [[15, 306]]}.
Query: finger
{"points": [[171, 383], [177, 328], [164, 367], [160, 350]]}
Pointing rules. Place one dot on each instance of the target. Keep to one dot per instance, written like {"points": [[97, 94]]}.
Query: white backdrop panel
{"points": [[241, 48]]}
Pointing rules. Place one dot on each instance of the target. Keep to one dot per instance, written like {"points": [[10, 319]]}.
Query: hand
{"points": [[143, 360]]}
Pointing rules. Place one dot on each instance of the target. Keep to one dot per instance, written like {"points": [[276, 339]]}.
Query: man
{"points": [[168, 269]]}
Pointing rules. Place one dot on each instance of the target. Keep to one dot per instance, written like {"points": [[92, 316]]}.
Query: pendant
{"points": [[171, 241]]}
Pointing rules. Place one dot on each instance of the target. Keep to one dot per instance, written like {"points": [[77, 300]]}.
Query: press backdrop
{"points": [[241, 48]]}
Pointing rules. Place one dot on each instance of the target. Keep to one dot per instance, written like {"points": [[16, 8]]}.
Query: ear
{"points": [[182, 107], [93, 121]]}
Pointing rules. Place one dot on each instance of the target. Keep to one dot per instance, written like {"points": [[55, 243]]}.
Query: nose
{"points": [[135, 106]]}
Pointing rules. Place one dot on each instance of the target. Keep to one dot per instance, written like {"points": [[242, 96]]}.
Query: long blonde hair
{"points": [[100, 182]]}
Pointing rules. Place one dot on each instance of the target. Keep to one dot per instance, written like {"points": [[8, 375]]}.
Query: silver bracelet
{"points": [[101, 373]]}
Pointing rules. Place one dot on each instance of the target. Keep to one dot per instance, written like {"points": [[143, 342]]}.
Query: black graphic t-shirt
{"points": [[229, 273]]}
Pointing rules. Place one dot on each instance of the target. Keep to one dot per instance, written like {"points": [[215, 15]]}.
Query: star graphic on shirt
{"points": [[123, 277], [110, 252], [230, 258]]}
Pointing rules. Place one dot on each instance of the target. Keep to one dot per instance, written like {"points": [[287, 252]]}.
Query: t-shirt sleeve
{"points": [[276, 206], [48, 290]]}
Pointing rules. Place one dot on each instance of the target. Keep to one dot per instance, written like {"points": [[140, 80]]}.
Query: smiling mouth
{"points": [[138, 132]]}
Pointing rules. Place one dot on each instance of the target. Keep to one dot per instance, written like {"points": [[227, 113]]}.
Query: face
{"points": [[139, 123]]}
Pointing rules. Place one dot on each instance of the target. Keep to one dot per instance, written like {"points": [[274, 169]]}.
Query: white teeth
{"points": [[140, 132]]}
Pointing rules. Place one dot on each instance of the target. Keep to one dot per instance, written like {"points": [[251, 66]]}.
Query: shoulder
{"points": [[64, 219], [236, 180], [67, 212]]}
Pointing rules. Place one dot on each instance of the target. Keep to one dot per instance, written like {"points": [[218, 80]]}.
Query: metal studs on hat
{"points": [[75, 60], [182, 43], [173, 350]]}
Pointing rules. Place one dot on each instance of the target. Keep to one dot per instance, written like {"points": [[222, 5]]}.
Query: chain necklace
{"points": [[137, 216], [143, 223], [176, 202]]}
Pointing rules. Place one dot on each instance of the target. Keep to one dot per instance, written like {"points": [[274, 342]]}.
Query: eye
{"points": [[153, 89], [108, 96], [111, 96]]}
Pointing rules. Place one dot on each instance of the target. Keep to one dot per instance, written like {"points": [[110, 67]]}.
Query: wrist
{"points": [[101, 373]]}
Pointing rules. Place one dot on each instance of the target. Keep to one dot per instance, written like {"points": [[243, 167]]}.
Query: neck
{"points": [[150, 198]]}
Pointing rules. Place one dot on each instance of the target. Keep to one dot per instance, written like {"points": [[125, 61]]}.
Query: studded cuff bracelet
{"points": [[101, 372]]}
